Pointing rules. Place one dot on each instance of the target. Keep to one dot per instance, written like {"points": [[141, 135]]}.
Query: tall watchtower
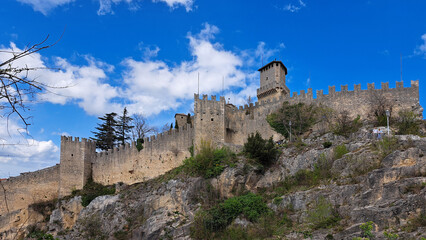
{"points": [[272, 81], [76, 164]]}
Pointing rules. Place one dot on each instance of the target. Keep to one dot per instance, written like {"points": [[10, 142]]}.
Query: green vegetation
{"points": [[345, 125], [93, 190], [408, 123], [191, 150], [139, 144], [40, 235], [323, 214], [92, 227], [302, 117], [386, 146], [209, 162], [339, 151], [217, 218], [261, 150], [366, 229], [303, 179], [327, 144], [391, 236], [415, 223]]}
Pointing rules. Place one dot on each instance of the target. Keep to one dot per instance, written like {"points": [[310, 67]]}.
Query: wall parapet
{"points": [[344, 92]]}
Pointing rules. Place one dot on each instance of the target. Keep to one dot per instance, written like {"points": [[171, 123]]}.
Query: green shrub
{"points": [[41, 235], [407, 123], [191, 150], [209, 162], [339, 151], [367, 229], [93, 190], [386, 146], [139, 144], [322, 169], [345, 125], [206, 222], [391, 236], [323, 215], [263, 151], [302, 117], [327, 144]]}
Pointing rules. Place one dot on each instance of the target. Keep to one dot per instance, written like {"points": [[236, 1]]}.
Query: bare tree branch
{"points": [[16, 87], [141, 127]]}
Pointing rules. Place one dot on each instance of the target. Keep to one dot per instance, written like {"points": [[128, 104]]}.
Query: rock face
{"points": [[366, 185]]}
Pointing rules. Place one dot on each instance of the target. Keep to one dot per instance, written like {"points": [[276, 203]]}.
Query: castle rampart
{"points": [[242, 121], [29, 188], [161, 153], [213, 120]]}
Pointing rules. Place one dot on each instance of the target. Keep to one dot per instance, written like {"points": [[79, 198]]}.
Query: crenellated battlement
{"points": [[214, 120]]}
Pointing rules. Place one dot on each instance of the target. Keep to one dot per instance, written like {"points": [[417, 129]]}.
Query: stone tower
{"points": [[76, 164], [272, 81], [209, 120]]}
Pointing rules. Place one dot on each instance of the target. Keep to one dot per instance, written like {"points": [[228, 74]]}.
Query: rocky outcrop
{"points": [[365, 186]]}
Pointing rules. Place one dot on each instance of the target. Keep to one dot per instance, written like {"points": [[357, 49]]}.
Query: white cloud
{"points": [[176, 3], [153, 86], [105, 6], [86, 85], [261, 54], [44, 6], [148, 51], [294, 7], [421, 50], [20, 153]]}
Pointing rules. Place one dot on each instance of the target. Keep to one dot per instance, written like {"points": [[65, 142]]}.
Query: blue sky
{"points": [[146, 55]]}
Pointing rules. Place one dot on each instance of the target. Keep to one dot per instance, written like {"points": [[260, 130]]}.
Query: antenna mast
{"points": [[401, 65], [223, 84]]}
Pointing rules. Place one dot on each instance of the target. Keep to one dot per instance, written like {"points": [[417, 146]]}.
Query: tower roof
{"points": [[275, 61]]}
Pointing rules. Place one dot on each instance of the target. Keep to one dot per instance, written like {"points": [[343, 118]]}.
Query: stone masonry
{"points": [[214, 120]]}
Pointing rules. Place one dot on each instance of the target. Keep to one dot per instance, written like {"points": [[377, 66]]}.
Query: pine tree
{"points": [[124, 127], [106, 136]]}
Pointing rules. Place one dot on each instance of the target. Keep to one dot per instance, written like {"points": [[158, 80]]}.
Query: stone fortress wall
{"points": [[160, 154], [242, 121], [214, 120], [28, 188]]}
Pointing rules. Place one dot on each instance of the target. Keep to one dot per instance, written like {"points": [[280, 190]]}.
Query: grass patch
{"points": [[303, 179], [323, 214], [40, 235], [339, 151], [91, 191], [209, 162], [386, 146]]}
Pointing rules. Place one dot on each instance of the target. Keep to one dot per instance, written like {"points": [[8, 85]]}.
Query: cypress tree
{"points": [[106, 136], [124, 127]]}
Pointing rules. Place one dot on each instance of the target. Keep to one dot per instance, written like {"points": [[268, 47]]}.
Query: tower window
{"points": [[212, 119], [72, 155], [266, 78]]}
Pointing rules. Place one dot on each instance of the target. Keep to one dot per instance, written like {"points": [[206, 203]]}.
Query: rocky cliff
{"points": [[358, 187]]}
